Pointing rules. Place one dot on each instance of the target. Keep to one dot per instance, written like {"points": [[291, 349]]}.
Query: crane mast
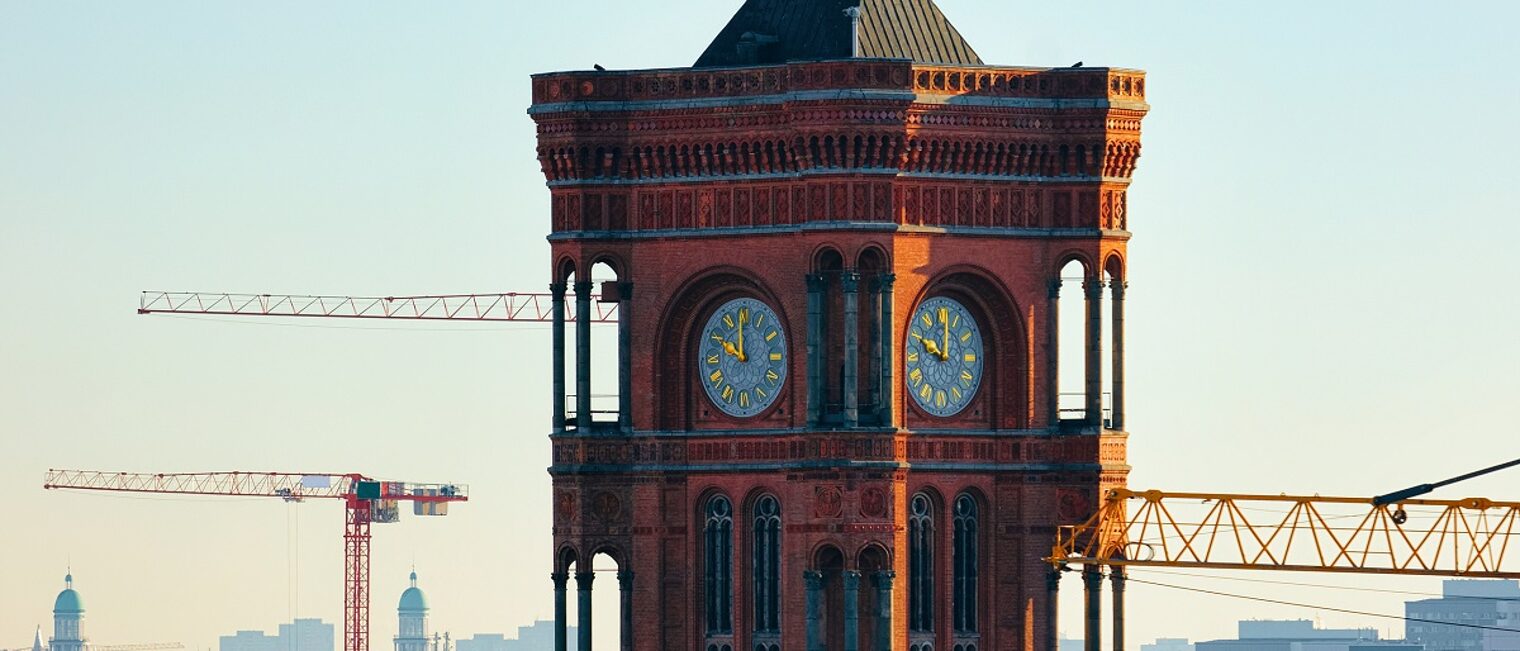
{"points": [[366, 501]]}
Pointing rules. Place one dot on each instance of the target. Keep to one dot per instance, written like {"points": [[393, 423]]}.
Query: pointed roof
{"points": [[777, 31]]}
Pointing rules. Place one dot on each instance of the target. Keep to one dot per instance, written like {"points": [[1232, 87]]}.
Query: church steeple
{"points": [[68, 610]]}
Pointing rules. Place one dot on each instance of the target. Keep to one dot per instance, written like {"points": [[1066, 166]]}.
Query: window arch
{"points": [[765, 564], [967, 562], [718, 547], [921, 564]]}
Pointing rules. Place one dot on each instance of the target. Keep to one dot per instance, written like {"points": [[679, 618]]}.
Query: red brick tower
{"points": [[837, 242]]}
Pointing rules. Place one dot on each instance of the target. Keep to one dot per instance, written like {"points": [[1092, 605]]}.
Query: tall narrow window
{"points": [[766, 564], [966, 561], [921, 564], [718, 543]]}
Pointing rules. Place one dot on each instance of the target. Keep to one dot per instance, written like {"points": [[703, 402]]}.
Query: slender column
{"points": [[1094, 351], [888, 350], [625, 593], [583, 357], [583, 620], [1117, 292], [1116, 576], [850, 284], [557, 307], [625, 357], [815, 284], [1092, 583], [883, 581], [1053, 351], [851, 610], [875, 349], [814, 582], [560, 579], [1053, 610]]}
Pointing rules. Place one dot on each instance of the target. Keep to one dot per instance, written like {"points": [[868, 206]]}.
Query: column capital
{"points": [[816, 282], [851, 579], [583, 289], [1053, 288], [813, 579], [625, 579], [1118, 288], [1094, 288], [849, 281], [560, 579], [1092, 577], [884, 282], [1117, 576], [583, 580], [1053, 580], [883, 579], [558, 290]]}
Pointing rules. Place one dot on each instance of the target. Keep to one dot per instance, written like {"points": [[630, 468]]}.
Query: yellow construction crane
{"points": [[1397, 533]]}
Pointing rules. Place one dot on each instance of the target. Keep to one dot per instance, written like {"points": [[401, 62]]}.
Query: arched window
{"points": [[921, 564], [718, 543], [967, 562], [766, 565]]}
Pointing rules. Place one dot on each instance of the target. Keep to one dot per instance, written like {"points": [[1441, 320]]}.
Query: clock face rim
{"points": [[706, 346], [978, 369]]}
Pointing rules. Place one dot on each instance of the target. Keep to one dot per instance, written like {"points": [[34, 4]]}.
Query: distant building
{"points": [[1302, 635], [412, 619], [537, 637], [299, 635], [68, 612], [1481, 603], [1168, 644]]}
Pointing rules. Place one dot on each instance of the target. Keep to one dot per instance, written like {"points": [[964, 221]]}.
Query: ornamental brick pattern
{"points": [[788, 183]]}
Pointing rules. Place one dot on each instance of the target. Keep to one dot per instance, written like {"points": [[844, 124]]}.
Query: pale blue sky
{"points": [[1321, 296]]}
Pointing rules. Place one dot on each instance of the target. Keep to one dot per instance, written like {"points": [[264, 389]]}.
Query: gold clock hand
{"points": [[743, 316], [944, 351]]}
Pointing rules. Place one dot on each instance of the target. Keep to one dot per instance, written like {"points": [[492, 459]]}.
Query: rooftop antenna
{"points": [[854, 14]]}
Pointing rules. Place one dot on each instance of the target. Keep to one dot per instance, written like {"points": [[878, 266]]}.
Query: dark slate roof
{"points": [[776, 31]]}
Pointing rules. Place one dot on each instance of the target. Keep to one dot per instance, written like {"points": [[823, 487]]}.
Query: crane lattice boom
{"points": [[1467, 538], [449, 307]]}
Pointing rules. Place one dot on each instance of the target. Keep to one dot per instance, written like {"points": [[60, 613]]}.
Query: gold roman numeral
{"points": [[913, 358], [728, 393], [744, 398], [772, 335], [713, 360], [925, 391], [955, 394], [939, 399], [928, 320], [772, 376], [728, 320], [916, 375], [775, 357], [965, 336], [716, 378], [970, 358]]}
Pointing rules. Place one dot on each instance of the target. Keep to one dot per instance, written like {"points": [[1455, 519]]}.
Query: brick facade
{"points": [[701, 185]]}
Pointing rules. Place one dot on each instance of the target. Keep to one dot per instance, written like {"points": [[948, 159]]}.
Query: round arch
{"points": [[1007, 405]]}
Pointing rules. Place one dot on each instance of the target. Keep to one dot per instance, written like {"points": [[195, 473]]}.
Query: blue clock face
{"points": [[943, 358], [742, 359]]}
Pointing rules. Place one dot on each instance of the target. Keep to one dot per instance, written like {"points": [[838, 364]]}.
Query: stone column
{"points": [[1116, 290], [583, 357], [1094, 352], [583, 604], [625, 357], [1052, 632], [883, 582], [1092, 583], [888, 351], [560, 639], [813, 580], [851, 610], [1053, 351], [1116, 576], [815, 285], [557, 309], [625, 593], [849, 283]]}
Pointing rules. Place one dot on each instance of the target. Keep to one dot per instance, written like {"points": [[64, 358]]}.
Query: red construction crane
{"points": [[367, 501]]}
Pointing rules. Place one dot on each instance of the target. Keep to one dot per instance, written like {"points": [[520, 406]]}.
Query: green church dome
{"points": [[412, 600], [68, 602]]}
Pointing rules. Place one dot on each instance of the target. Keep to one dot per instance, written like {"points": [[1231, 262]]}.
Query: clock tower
{"points": [[830, 416]]}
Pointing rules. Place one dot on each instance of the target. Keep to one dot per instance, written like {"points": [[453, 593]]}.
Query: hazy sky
{"points": [[1321, 295]]}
